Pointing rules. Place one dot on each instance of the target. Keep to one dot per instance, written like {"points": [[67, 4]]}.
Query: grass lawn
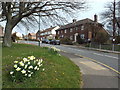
{"points": [[59, 72]]}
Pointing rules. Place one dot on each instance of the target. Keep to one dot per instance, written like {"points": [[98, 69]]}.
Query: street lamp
{"points": [[113, 46], [39, 29]]}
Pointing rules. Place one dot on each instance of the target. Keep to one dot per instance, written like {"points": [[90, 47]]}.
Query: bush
{"points": [[66, 40]]}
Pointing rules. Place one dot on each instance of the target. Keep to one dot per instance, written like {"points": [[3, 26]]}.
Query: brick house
{"points": [[86, 28], [48, 33]]}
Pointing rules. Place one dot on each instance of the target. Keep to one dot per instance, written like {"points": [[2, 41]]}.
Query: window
{"points": [[82, 27], [71, 29], [82, 36], [65, 31], [76, 28], [61, 31]]}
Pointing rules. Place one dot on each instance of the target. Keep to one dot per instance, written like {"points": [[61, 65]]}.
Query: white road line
{"points": [[76, 49], [111, 56], [105, 55]]}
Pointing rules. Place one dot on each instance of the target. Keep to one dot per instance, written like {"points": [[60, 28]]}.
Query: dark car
{"points": [[47, 41], [55, 42]]}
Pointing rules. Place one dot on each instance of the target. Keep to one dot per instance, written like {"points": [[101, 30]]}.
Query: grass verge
{"points": [[59, 72]]}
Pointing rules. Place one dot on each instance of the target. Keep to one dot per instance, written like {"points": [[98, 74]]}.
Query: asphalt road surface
{"points": [[109, 59]]}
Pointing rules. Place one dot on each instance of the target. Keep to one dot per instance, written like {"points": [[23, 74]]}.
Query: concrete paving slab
{"points": [[93, 74]]}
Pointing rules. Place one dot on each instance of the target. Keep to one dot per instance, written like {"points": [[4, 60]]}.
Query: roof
{"points": [[32, 34], [110, 32], [87, 20], [48, 29]]}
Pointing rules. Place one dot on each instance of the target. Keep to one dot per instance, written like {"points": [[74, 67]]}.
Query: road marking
{"points": [[105, 55], [75, 49], [93, 65], [99, 63]]}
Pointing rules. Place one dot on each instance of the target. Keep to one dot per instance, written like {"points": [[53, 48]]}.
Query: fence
{"points": [[114, 47]]}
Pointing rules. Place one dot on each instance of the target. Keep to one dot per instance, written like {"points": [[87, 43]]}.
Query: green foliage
{"points": [[101, 37], [117, 39], [66, 40]]}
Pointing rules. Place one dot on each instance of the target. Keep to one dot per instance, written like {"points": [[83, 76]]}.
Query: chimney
{"points": [[95, 18], [74, 20]]}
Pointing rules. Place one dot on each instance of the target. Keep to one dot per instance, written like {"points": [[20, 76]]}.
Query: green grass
{"points": [[59, 72]]}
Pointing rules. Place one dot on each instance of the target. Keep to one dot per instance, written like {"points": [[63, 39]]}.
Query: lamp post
{"points": [[39, 30], [113, 46]]}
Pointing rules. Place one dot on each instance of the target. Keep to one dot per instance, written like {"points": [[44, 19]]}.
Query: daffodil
{"points": [[30, 67], [23, 71], [25, 74], [15, 66], [35, 68], [18, 69], [11, 72], [26, 66], [28, 62], [43, 69], [21, 63], [15, 61], [25, 60], [31, 57], [29, 75]]}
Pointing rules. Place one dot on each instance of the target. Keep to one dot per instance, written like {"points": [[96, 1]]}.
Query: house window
{"points": [[82, 27], [82, 36], [61, 31], [65, 31], [76, 28], [71, 29]]}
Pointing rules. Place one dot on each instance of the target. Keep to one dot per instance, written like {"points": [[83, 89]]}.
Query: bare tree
{"points": [[111, 15], [15, 12]]}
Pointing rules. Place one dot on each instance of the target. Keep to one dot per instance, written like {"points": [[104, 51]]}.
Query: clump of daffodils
{"points": [[54, 49], [26, 68]]}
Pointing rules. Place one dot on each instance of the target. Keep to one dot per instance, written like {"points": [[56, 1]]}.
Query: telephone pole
{"points": [[114, 28], [114, 20]]}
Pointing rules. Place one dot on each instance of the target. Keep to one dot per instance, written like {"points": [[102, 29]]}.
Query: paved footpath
{"points": [[93, 74]]}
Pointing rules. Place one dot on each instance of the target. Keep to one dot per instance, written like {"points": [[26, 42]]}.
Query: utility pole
{"points": [[114, 22], [39, 28]]}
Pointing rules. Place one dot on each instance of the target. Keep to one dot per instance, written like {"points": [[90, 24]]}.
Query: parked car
{"points": [[55, 42], [43, 40], [47, 41]]}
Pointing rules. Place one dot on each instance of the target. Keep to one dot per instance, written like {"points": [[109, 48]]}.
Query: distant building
{"points": [[48, 33], [1, 31], [31, 36], [85, 28]]}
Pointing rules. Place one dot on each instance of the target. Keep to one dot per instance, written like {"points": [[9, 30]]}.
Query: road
{"points": [[109, 59]]}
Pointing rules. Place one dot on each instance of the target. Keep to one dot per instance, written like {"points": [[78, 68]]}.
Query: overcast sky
{"points": [[95, 7]]}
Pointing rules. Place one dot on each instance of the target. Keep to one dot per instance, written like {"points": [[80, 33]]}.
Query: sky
{"points": [[95, 7]]}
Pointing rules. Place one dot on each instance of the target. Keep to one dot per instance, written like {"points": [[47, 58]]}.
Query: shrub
{"points": [[66, 40]]}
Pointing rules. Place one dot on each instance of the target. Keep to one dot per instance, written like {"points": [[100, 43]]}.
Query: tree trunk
{"points": [[7, 36]]}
